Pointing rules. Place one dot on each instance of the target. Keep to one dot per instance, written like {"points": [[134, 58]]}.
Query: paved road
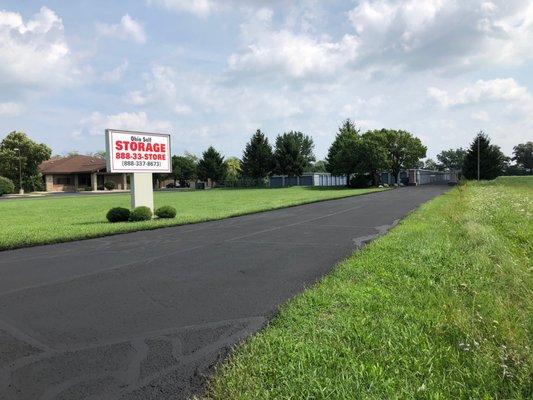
{"points": [[146, 315]]}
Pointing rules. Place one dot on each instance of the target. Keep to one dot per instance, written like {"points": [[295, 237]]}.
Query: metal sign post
{"points": [[140, 154]]}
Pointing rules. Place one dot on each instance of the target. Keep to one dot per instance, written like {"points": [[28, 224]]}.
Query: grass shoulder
{"points": [[441, 307]]}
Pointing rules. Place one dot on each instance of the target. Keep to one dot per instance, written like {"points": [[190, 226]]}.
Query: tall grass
{"points": [[439, 308]]}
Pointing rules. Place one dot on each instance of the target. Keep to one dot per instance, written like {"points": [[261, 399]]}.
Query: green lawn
{"points": [[26, 222], [439, 308]]}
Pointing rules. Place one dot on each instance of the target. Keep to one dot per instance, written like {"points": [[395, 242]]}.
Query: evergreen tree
{"points": [[257, 159], [491, 159], [293, 154], [211, 166], [342, 154]]}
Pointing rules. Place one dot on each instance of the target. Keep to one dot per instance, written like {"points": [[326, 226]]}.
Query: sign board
{"points": [[131, 152]]}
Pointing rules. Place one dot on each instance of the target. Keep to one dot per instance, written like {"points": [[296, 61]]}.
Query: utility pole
{"points": [[478, 157], [21, 191]]}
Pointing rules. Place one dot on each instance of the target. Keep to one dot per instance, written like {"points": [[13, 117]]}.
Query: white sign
{"points": [[138, 152]]}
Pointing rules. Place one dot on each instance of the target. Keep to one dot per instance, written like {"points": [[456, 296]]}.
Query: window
{"points": [[62, 180], [84, 180]]}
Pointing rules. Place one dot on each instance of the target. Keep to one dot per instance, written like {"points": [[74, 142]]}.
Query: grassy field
{"points": [[439, 308], [26, 222]]}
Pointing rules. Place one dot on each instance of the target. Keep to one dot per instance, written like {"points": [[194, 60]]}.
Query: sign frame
{"points": [[110, 152]]}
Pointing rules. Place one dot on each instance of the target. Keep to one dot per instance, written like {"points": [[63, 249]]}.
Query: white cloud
{"points": [[96, 123], [182, 109], [480, 115], [200, 8], [115, 75], [160, 88], [11, 109], [298, 55], [505, 90], [126, 29], [443, 35], [136, 97], [34, 52]]}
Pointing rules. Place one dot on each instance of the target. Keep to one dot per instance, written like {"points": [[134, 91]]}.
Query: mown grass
{"points": [[27, 222], [439, 308]]}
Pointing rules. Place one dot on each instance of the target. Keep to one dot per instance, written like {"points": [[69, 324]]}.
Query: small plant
{"points": [[141, 213], [110, 185], [118, 214], [6, 186], [165, 212]]}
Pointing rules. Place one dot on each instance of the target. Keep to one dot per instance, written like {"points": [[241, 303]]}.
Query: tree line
{"points": [[360, 156], [492, 161]]}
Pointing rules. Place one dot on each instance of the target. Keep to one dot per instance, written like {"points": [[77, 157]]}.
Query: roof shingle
{"points": [[72, 165]]}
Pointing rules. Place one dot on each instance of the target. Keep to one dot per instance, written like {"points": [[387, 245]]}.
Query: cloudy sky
{"points": [[212, 72]]}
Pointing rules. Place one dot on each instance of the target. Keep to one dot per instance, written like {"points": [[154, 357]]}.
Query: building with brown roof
{"points": [[70, 174]]}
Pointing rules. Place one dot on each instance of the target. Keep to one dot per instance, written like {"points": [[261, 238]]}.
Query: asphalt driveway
{"points": [[146, 315]]}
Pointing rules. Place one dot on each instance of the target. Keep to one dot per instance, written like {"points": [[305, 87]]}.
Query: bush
{"points": [[165, 212], [100, 187], [118, 214], [6, 186], [141, 213], [109, 185], [360, 181]]}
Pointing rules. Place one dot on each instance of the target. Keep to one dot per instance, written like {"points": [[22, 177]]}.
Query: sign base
{"points": [[142, 192]]}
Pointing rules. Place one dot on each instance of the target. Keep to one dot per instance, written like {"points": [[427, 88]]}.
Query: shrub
{"points": [[100, 187], [6, 186], [109, 185], [141, 213], [165, 212], [359, 181], [118, 214]]}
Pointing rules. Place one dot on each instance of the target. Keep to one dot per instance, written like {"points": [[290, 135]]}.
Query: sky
{"points": [[212, 72]]}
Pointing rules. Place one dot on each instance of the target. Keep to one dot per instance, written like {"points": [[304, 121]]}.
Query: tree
{"points": [[31, 155], [293, 154], [432, 165], [184, 168], [523, 156], [319, 166], [98, 154], [257, 159], [452, 159], [372, 156], [211, 166], [491, 159], [403, 150], [342, 154], [233, 169]]}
